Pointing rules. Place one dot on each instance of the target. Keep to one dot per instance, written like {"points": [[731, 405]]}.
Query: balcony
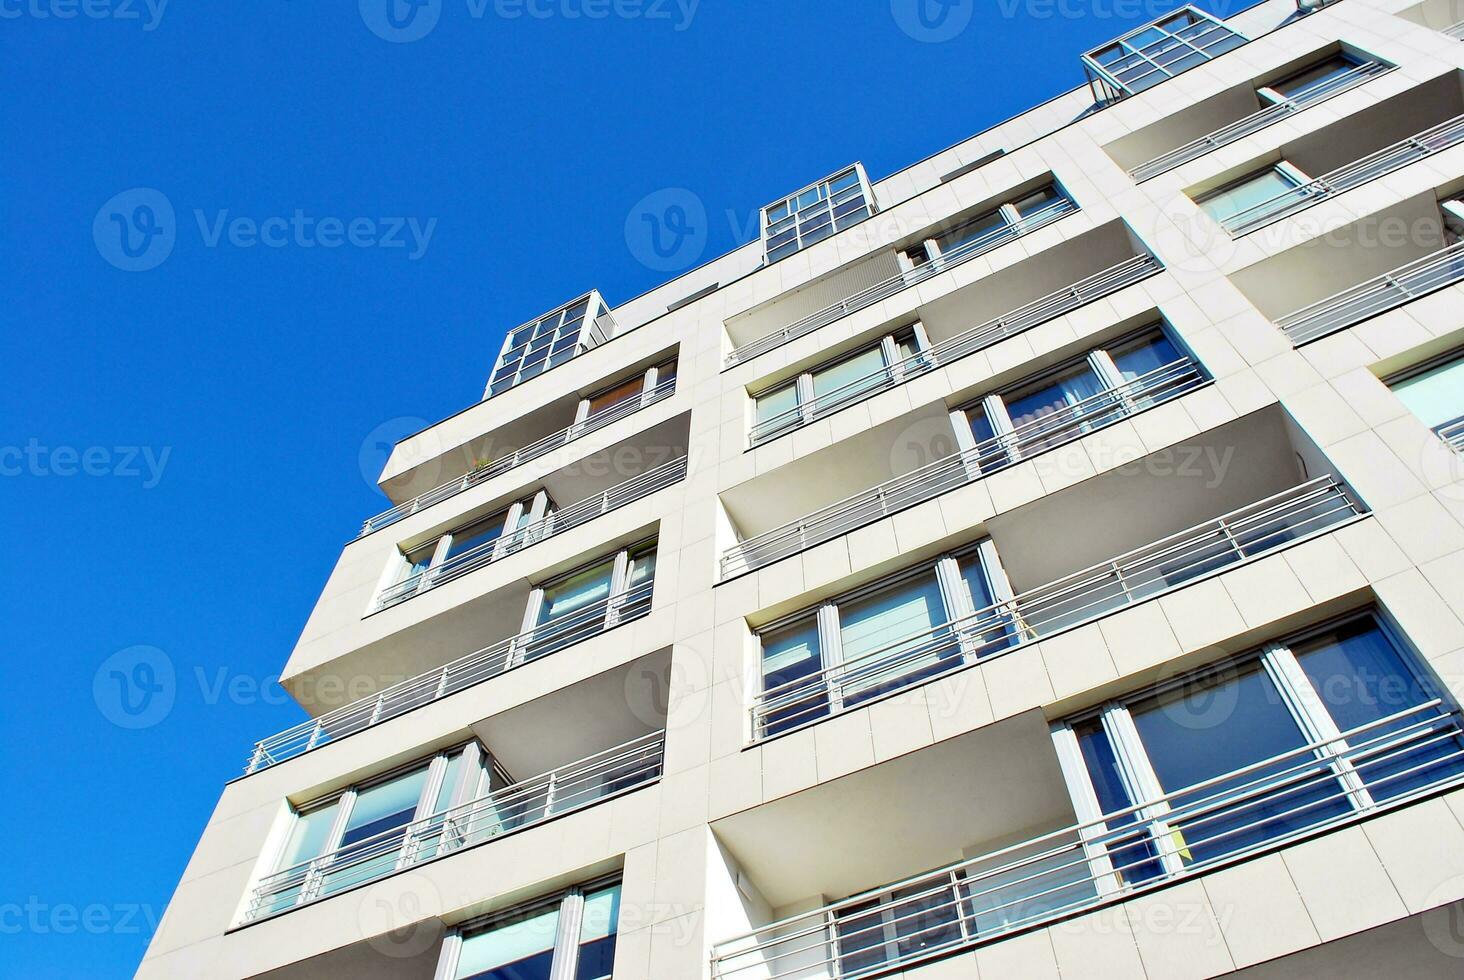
{"points": [[534, 450], [513, 542], [1243, 534], [1444, 16], [942, 352], [886, 287], [1291, 101], [549, 637], [985, 458], [1128, 851], [1377, 295], [508, 808], [1413, 125]]}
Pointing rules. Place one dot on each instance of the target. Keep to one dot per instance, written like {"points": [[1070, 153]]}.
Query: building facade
{"points": [[1045, 561]]}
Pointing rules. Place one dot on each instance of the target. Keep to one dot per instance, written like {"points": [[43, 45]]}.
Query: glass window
{"points": [[597, 934], [1436, 395], [977, 229], [475, 535], [791, 661], [622, 392], [850, 377], [890, 640], [814, 213], [549, 341], [517, 950], [777, 405], [1149, 55], [579, 590], [1136, 359], [1247, 193], [310, 836], [384, 806], [1130, 851], [1056, 396], [1317, 77]]}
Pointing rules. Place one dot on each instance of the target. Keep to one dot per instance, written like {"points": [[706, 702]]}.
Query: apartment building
{"points": [[1044, 561]]}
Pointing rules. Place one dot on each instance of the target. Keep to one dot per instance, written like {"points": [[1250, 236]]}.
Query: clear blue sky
{"points": [[185, 449]]}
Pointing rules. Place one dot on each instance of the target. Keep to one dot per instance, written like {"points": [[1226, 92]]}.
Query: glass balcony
{"points": [[488, 470], [1417, 147], [976, 338], [551, 340], [550, 636], [1157, 51], [509, 808], [1248, 808], [985, 458], [512, 542], [1082, 596], [1026, 223], [1293, 100]]}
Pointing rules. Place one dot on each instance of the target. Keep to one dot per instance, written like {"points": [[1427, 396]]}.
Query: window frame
{"points": [[621, 592], [537, 506], [587, 334], [1272, 94], [570, 903], [821, 202], [1282, 168], [1101, 74], [1451, 432]]}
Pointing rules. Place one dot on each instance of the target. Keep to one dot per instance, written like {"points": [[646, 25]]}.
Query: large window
{"points": [[837, 383], [997, 225], [1434, 392], [887, 636], [1059, 405], [547, 342], [1315, 79], [359, 834], [588, 600], [816, 212], [1157, 51], [1246, 198], [571, 935], [1230, 758]]}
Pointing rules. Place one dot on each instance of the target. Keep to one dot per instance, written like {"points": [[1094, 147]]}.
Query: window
{"points": [[1313, 80], [816, 212], [885, 637], [1434, 392], [1160, 50], [588, 600], [361, 833], [1101, 387], [1248, 196], [837, 383], [1002, 224], [549, 341], [531, 943], [1280, 741]]}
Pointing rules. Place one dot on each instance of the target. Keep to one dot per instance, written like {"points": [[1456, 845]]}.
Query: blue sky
{"points": [[185, 448]]}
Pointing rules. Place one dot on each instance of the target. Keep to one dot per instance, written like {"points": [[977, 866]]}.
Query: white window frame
{"points": [[620, 572], [867, 189], [589, 336], [537, 505], [1098, 71]]}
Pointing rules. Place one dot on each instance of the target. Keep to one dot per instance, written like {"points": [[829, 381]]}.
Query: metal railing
{"points": [[457, 675], [1256, 808], [501, 811], [515, 541], [1455, 31], [626, 406], [1080, 597], [1361, 302], [1417, 147], [989, 456], [886, 288], [1453, 434], [1040, 310], [1258, 121]]}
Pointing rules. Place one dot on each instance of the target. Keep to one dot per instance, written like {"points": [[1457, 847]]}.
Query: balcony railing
{"points": [[1420, 146], [983, 459], [1040, 218], [1210, 824], [1392, 289], [1081, 597], [1048, 307], [1456, 31], [515, 541], [548, 637], [1258, 121], [511, 808], [1453, 434], [501, 465]]}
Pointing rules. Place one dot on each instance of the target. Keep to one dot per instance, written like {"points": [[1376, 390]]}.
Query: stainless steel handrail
{"points": [[1077, 598], [541, 447], [989, 456], [1377, 295], [464, 672], [1453, 434], [515, 541], [1419, 146], [886, 288], [1252, 809], [1040, 310], [520, 805], [1257, 121]]}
